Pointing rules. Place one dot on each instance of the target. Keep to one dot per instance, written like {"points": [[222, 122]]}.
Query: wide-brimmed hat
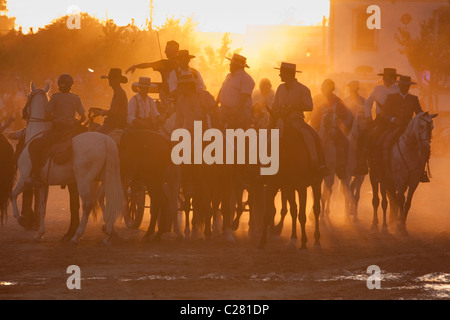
{"points": [[239, 60], [184, 54], [405, 80], [116, 73], [186, 78], [389, 72], [288, 66], [144, 82]]}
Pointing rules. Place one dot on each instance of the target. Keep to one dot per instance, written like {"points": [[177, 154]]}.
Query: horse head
{"points": [[423, 129], [37, 101], [328, 124]]}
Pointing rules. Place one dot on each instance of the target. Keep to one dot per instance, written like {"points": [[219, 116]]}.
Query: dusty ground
{"points": [[416, 267]]}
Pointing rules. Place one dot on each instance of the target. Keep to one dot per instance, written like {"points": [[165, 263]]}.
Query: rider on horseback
{"points": [[328, 101], [377, 127], [235, 96], [398, 111], [62, 109], [142, 111], [291, 101], [183, 68], [117, 113]]}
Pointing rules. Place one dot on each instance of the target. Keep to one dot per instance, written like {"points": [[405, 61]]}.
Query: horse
{"points": [[94, 157], [295, 173], [408, 157], [329, 134], [7, 175], [356, 181]]}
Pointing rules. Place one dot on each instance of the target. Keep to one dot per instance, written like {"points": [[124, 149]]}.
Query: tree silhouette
{"points": [[429, 54]]}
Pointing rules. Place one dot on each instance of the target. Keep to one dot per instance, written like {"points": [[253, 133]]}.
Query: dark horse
{"points": [[295, 173], [145, 156], [7, 174]]}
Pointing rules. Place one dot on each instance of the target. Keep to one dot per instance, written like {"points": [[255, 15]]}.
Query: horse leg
{"points": [[375, 203], [384, 206], [20, 187], [84, 191], [43, 196], [269, 213], [74, 212], [401, 225], [358, 181], [411, 191], [316, 207], [302, 215], [285, 194], [393, 212], [294, 214], [187, 211]]}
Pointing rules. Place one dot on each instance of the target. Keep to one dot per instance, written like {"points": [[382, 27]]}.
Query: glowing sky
{"points": [[212, 15]]}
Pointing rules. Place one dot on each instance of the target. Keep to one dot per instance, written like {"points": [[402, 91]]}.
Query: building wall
{"points": [[345, 56]]}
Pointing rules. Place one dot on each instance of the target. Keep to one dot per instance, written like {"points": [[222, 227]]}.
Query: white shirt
{"points": [[173, 79], [379, 95], [137, 107], [234, 85]]}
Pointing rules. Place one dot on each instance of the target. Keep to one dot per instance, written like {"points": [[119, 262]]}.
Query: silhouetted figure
{"points": [[291, 101], [378, 96], [116, 116], [264, 95], [184, 69], [62, 110], [398, 111], [354, 101], [142, 111], [235, 96], [329, 102], [164, 67]]}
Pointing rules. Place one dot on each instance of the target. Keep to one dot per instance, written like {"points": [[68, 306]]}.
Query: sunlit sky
{"points": [[212, 15]]}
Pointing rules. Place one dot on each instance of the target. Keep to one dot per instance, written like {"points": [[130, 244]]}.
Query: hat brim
{"points": [[239, 64], [137, 84], [123, 79], [389, 74], [190, 57], [288, 69], [406, 82]]}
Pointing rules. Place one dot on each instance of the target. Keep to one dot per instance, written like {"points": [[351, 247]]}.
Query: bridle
{"points": [[28, 105]]}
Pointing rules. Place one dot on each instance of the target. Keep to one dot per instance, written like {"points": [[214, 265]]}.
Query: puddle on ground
{"points": [[433, 285]]}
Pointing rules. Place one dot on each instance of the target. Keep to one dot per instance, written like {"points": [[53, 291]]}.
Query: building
{"points": [[355, 49]]}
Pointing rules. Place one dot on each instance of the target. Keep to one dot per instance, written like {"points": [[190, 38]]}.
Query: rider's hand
{"points": [[96, 111], [131, 69]]}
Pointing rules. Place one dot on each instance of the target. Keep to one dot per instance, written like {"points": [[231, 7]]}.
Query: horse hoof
{"points": [[317, 246], [74, 242], [384, 230], [303, 248], [374, 228], [107, 242]]}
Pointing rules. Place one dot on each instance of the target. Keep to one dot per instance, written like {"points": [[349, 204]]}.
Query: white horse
{"points": [[408, 158], [95, 158]]}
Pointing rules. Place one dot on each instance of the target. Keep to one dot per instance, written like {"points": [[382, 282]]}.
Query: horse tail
{"points": [[112, 184], [7, 175]]}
